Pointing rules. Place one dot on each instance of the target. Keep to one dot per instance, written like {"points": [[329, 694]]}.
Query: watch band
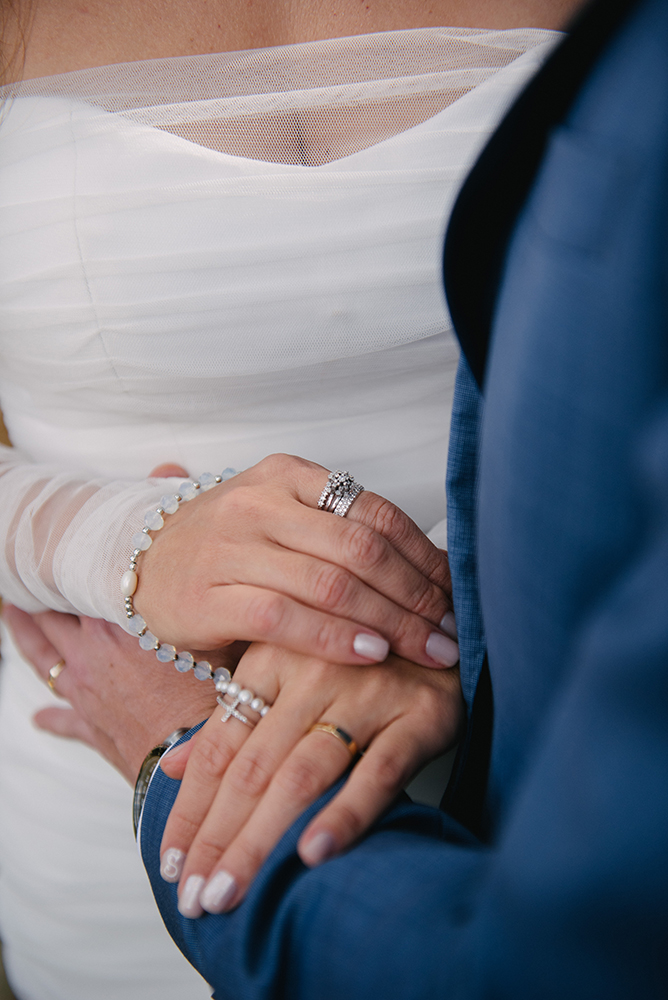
{"points": [[146, 770]]}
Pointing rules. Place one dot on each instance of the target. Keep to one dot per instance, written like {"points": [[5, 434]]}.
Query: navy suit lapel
{"points": [[493, 194]]}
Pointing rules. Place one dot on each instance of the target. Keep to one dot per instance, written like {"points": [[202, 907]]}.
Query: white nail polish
{"points": [[189, 905], [218, 892], [442, 650], [171, 864], [319, 849], [372, 647], [448, 625]]}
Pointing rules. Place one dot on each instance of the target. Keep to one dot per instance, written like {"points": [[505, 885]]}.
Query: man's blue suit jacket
{"points": [[546, 874]]}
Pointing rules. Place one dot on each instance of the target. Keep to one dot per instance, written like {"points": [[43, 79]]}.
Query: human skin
{"points": [[246, 787]]}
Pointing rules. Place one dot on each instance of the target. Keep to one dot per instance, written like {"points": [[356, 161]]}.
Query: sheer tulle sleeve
{"points": [[67, 538], [211, 258]]}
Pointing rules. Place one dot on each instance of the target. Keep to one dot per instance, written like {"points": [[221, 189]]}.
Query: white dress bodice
{"points": [[204, 260], [165, 300]]}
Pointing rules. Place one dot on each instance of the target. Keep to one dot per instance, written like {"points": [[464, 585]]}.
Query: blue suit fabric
{"points": [[558, 513]]}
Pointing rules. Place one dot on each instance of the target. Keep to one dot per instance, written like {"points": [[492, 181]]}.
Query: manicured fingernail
{"points": [[442, 650], [321, 847], [189, 905], [372, 647], [171, 864], [218, 892], [448, 625]]}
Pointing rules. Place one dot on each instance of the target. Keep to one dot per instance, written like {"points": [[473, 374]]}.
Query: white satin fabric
{"points": [[204, 260]]}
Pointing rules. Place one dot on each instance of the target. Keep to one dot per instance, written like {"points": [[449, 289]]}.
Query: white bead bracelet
{"points": [[141, 540]]}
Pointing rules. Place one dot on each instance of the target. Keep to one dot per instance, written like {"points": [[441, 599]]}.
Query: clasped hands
{"points": [[304, 584]]}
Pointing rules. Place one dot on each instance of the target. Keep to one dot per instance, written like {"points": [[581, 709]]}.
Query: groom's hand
{"points": [[123, 702]]}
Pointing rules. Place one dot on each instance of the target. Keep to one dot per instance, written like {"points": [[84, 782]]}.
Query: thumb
{"points": [[166, 470], [174, 761]]}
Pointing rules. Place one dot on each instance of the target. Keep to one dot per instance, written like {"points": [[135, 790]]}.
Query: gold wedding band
{"points": [[54, 673], [340, 734]]}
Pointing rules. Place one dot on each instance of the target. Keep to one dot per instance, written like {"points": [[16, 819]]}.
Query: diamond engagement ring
{"points": [[225, 686], [340, 493]]}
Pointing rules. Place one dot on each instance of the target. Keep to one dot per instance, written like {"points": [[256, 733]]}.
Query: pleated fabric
{"points": [[204, 260]]}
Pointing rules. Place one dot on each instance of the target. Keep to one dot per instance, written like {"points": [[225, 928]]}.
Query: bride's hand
{"points": [[253, 559], [243, 787]]}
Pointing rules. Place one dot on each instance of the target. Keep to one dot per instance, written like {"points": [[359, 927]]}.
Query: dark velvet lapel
{"points": [[495, 190]]}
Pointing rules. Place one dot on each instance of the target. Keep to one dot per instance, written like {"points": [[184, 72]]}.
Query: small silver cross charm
{"points": [[231, 710]]}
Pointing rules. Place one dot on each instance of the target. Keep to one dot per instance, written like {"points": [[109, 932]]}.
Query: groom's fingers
{"points": [[30, 639], [66, 722]]}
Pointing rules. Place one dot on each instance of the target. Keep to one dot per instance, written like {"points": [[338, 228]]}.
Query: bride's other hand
{"points": [[254, 559], [243, 787], [123, 702]]}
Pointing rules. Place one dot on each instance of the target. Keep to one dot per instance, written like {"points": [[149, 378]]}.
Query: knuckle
{"points": [[347, 820], [331, 587], [366, 548], [182, 828], [207, 849], [251, 773], [389, 521], [428, 600], [211, 758], [249, 856], [277, 464], [300, 779], [327, 636], [266, 613], [406, 628], [388, 773]]}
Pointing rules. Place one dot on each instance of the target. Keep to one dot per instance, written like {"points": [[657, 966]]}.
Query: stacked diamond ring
{"points": [[340, 493]]}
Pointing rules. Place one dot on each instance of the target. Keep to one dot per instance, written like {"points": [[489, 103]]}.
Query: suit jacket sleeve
{"points": [[572, 901]]}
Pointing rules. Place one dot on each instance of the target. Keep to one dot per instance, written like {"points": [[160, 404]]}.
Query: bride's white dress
{"points": [[204, 260]]}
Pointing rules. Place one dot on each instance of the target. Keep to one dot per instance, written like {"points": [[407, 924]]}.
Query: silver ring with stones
{"points": [[339, 493]]}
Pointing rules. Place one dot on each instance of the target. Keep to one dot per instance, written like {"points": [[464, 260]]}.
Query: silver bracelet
{"points": [[141, 541]]}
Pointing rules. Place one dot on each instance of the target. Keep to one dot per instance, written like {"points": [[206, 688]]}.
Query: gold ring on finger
{"points": [[54, 673], [338, 733]]}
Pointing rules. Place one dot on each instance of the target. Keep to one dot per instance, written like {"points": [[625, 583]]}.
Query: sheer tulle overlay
{"points": [[205, 260]]}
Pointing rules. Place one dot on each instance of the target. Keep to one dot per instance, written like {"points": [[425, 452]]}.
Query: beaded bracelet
{"points": [[141, 541]]}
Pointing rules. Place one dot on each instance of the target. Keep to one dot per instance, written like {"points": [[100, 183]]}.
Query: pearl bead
{"points": [[233, 689], [245, 696], [264, 711], [222, 685], [257, 704], [129, 583], [166, 653]]}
